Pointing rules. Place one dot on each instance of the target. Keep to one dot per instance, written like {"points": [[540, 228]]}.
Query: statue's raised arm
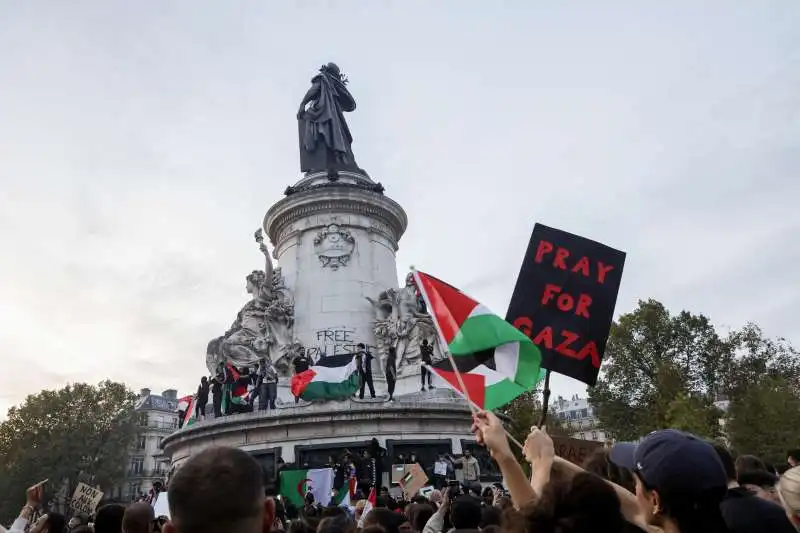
{"points": [[325, 139]]}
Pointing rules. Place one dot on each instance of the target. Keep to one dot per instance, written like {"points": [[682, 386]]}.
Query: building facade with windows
{"points": [[156, 418], [578, 415]]}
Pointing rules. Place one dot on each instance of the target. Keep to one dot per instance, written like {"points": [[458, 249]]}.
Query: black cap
{"points": [[672, 461]]}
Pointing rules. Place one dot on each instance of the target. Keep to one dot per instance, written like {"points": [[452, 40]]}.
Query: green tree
{"points": [[763, 386], [657, 368], [526, 411], [694, 414], [80, 433]]}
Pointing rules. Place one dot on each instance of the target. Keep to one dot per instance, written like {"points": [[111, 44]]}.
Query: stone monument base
{"points": [[424, 423]]}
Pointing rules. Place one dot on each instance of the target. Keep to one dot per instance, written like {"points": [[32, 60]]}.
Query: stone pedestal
{"points": [[335, 242]]}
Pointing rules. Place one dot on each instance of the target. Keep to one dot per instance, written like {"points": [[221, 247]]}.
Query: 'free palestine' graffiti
{"points": [[336, 340]]}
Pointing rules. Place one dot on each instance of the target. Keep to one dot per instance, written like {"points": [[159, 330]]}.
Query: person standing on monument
{"points": [[301, 364], [216, 394], [426, 351], [364, 366], [391, 371], [202, 399], [269, 387]]}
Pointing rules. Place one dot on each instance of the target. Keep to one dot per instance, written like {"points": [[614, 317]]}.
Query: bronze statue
{"points": [[325, 139]]}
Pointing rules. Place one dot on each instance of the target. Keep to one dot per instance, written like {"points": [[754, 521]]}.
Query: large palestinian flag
{"points": [[497, 361], [295, 484], [333, 377]]}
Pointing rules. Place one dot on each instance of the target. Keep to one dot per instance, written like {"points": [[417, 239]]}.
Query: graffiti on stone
{"points": [[336, 340]]}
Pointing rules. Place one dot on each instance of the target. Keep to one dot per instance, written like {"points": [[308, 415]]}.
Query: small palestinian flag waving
{"points": [[496, 360], [189, 418]]}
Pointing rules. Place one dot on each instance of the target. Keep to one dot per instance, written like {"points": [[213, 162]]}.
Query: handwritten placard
{"points": [[85, 498]]}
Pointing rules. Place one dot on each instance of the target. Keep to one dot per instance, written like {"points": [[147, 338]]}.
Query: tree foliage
{"points": [[525, 412], [80, 433], [663, 370]]}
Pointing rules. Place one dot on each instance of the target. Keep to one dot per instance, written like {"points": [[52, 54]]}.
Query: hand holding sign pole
{"points": [[564, 301]]}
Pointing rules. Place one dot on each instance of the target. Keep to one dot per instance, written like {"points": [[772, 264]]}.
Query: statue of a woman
{"points": [[325, 139]]}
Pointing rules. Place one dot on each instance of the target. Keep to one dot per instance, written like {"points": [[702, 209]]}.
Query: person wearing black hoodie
{"points": [[743, 511], [202, 398]]}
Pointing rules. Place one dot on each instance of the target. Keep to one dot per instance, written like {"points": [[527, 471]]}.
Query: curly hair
{"points": [[598, 463], [576, 505]]}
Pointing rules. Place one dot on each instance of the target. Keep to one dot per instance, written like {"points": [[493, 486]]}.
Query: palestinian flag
{"points": [[189, 418], [238, 389], [295, 484], [497, 361], [183, 403], [372, 501], [332, 378]]}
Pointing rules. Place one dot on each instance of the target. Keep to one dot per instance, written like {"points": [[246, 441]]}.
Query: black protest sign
{"points": [[564, 300]]}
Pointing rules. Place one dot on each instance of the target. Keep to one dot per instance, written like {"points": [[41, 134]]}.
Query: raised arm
{"points": [[490, 432]]}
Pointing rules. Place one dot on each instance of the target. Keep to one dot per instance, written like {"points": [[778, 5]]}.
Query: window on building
{"points": [[584, 413], [143, 419], [141, 442], [133, 491], [174, 422], [137, 465]]}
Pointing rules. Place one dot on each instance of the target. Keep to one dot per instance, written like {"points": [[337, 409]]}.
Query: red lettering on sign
{"points": [[590, 349], [582, 309], [550, 290], [544, 338], [602, 270], [564, 348], [582, 266], [558, 260], [543, 249], [524, 324], [565, 302]]}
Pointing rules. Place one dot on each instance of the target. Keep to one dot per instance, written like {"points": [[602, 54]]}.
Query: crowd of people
{"points": [[671, 482]]}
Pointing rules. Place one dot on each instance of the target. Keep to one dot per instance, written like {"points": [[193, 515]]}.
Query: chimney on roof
{"points": [[144, 393], [170, 394]]}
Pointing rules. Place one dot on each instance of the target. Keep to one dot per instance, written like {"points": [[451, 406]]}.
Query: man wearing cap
{"points": [[680, 481]]}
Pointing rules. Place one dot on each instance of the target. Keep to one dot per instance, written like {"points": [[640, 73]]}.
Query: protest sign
{"points": [[574, 450], [85, 499], [413, 480], [161, 505], [564, 300]]}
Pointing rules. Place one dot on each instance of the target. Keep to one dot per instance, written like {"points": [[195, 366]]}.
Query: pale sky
{"points": [[141, 144]]}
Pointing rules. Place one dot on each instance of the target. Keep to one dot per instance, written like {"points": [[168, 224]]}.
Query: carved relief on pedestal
{"points": [[263, 327], [400, 321], [334, 246]]}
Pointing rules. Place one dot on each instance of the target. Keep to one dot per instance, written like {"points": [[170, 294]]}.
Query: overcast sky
{"points": [[141, 144]]}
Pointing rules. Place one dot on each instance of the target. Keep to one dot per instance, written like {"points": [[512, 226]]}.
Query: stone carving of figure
{"points": [[325, 139], [400, 323], [248, 339], [263, 327]]}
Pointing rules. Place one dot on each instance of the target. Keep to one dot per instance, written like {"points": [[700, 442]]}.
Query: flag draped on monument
{"points": [[331, 378], [497, 362]]}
